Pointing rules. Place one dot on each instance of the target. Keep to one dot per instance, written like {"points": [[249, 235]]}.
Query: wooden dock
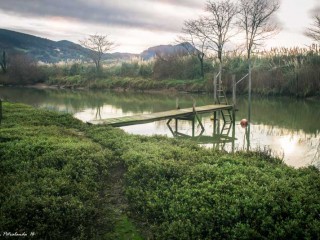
{"points": [[152, 117]]}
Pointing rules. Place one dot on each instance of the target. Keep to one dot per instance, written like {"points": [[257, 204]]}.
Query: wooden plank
{"points": [[151, 117]]}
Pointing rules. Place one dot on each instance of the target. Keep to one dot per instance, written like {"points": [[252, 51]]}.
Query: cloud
{"points": [[161, 15], [316, 9], [186, 3]]}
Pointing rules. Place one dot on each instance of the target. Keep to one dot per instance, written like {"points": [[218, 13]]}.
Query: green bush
{"points": [[146, 70], [223, 197], [185, 192], [52, 177], [129, 69], [75, 69], [53, 173]]}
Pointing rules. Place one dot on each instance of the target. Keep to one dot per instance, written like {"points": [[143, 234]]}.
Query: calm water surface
{"points": [[289, 127]]}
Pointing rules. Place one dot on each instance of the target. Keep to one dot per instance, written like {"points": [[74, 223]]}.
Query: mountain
{"points": [[49, 51], [46, 50], [41, 49], [182, 48], [120, 56]]}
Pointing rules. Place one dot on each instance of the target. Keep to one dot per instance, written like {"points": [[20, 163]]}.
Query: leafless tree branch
{"points": [[313, 32], [97, 45], [193, 33], [255, 19], [218, 23]]}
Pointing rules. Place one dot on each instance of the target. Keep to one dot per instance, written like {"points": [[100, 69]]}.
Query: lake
{"points": [[290, 128]]}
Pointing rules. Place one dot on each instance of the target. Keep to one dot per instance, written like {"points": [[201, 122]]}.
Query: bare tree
{"points": [[193, 31], [22, 69], [314, 31], [212, 31], [218, 23], [97, 45], [255, 19]]}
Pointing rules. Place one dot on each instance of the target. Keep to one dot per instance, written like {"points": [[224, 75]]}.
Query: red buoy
{"points": [[244, 123]]}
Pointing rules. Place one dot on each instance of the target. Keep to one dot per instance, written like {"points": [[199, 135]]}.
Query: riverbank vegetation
{"points": [[291, 72], [61, 178]]}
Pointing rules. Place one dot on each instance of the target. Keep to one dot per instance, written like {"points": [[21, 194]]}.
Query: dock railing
{"points": [[215, 81], [234, 88]]}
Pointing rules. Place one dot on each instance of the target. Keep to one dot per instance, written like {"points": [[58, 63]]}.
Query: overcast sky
{"points": [[134, 25]]}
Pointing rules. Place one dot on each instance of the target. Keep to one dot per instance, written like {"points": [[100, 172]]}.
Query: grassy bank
{"points": [[63, 179], [129, 83], [285, 72]]}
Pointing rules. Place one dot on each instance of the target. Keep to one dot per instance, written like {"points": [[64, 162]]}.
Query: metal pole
{"points": [[249, 95], [176, 125], [193, 126], [249, 106], [215, 89], [233, 133], [220, 71], [234, 100], [248, 137], [214, 122], [234, 90]]}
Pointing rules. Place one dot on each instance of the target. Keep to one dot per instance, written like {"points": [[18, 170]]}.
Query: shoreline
{"points": [[117, 89], [172, 90]]}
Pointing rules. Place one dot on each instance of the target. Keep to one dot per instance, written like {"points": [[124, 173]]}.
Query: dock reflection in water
{"points": [[289, 127]]}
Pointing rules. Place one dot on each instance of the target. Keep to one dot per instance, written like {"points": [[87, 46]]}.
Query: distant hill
{"points": [[120, 56], [38, 48], [49, 51], [46, 50], [182, 48]]}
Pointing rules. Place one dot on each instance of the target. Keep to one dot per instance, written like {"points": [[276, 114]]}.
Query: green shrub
{"points": [[184, 192], [146, 70], [75, 69], [224, 197], [52, 177], [53, 172], [129, 69]]}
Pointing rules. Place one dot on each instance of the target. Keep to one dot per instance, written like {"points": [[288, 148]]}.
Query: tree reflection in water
{"points": [[288, 127]]}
